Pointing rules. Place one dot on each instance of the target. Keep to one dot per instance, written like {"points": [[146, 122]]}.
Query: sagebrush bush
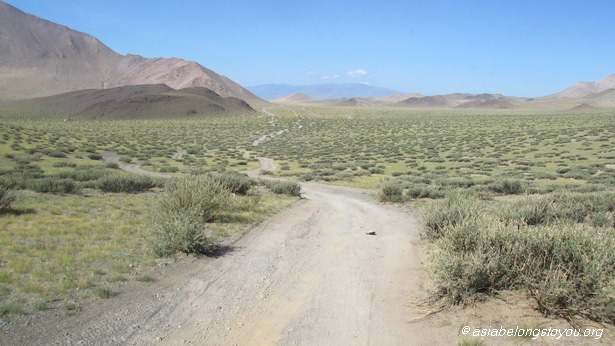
{"points": [[391, 190], [7, 197], [53, 185], [508, 186], [179, 221], [424, 191], [457, 209], [560, 248], [234, 182], [283, 187], [125, 183]]}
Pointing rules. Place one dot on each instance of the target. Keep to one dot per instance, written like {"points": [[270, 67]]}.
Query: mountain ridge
{"points": [[41, 58], [585, 89]]}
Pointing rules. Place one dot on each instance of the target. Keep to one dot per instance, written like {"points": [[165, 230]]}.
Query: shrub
{"points": [[527, 212], [457, 209], [64, 164], [125, 183], [178, 223], [169, 169], [83, 174], [234, 182], [53, 185], [281, 187], [567, 268], [391, 191], [7, 197], [424, 191], [508, 186]]}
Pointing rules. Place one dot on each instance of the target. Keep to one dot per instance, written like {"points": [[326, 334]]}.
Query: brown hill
{"points": [[398, 97], [294, 98], [134, 102], [489, 104], [352, 102], [41, 58], [582, 107], [584, 89], [604, 98], [429, 101]]}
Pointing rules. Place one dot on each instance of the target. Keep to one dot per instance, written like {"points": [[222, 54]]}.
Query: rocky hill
{"points": [[41, 58], [133, 102]]}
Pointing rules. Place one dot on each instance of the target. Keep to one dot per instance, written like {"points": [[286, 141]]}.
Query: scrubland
{"points": [[510, 199], [75, 226]]}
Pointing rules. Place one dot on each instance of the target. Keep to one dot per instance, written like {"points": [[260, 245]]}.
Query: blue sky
{"points": [[520, 48]]}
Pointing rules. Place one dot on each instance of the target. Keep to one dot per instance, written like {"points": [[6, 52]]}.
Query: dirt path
{"points": [[310, 275]]}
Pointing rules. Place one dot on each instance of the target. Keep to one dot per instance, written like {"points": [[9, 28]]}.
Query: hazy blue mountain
{"points": [[320, 91]]}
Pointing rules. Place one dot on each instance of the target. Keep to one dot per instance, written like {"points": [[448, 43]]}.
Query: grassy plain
{"points": [[66, 238], [361, 146], [79, 225]]}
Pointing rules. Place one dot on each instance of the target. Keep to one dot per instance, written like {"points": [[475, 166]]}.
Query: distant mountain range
{"points": [[320, 91], [41, 58]]}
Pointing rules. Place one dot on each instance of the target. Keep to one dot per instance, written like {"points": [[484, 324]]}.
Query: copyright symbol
{"points": [[465, 330]]}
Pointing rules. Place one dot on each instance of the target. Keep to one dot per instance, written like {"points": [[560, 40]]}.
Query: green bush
{"points": [[234, 182], [560, 248], [391, 191], [53, 185], [64, 164], [424, 191], [508, 186], [126, 183], [83, 174], [282, 187], [94, 156], [457, 209], [178, 223], [7, 197]]}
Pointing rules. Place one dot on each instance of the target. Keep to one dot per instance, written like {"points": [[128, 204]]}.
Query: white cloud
{"points": [[357, 73], [335, 76]]}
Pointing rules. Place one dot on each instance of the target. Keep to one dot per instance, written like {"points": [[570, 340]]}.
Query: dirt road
{"points": [[311, 275]]}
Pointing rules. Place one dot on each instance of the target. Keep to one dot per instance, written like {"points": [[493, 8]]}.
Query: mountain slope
{"points": [[584, 89], [41, 58], [320, 91], [134, 102], [294, 98]]}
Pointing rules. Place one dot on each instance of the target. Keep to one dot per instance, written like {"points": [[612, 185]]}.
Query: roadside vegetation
{"points": [[559, 248], [75, 227]]}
